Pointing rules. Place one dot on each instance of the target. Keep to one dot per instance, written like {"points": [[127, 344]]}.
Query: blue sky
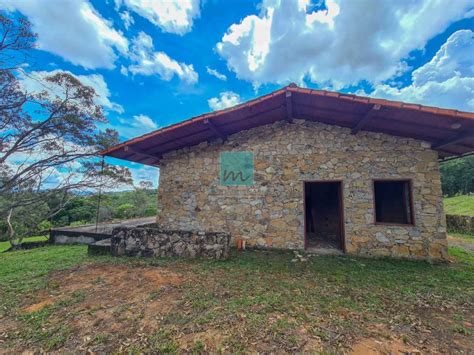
{"points": [[154, 63]]}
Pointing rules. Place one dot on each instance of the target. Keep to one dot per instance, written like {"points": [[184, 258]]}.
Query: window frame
{"points": [[412, 204]]}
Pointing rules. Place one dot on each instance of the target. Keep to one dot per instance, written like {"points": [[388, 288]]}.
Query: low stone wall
{"points": [[75, 237], [460, 224], [152, 241]]}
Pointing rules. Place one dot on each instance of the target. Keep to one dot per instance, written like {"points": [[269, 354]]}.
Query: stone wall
{"points": [[270, 213], [460, 224], [153, 241], [74, 237]]}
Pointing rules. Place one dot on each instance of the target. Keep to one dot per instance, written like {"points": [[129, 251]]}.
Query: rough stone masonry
{"points": [[270, 212], [150, 241]]}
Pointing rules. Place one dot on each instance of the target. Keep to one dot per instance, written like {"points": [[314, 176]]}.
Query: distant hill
{"points": [[460, 205]]}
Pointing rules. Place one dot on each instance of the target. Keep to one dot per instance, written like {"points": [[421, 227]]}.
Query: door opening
{"points": [[324, 227]]}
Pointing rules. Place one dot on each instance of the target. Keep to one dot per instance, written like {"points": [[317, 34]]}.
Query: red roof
{"points": [[450, 132]]}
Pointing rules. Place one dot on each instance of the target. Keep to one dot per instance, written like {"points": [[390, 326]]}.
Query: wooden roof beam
{"points": [[214, 129], [289, 106], [156, 148], [364, 119], [140, 152], [453, 140]]}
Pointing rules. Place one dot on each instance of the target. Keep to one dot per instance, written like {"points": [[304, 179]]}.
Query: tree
{"points": [[48, 139], [457, 176], [127, 210]]}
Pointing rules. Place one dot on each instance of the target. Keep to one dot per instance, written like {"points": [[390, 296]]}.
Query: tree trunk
{"points": [[11, 231]]}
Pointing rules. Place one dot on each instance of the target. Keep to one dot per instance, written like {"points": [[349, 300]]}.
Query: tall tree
{"points": [[48, 139]]}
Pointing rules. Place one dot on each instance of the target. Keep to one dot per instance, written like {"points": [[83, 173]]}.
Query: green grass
{"points": [[25, 271], [6, 245], [255, 297], [460, 205]]}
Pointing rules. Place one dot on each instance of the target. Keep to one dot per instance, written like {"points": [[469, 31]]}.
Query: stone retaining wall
{"points": [[460, 224], [153, 241]]}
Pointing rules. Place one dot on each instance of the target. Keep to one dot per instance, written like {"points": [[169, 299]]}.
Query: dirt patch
{"points": [[118, 279], [208, 341], [312, 346], [104, 305], [376, 347], [7, 326], [39, 306]]}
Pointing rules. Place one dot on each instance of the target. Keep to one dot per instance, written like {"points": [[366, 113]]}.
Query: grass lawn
{"points": [[58, 298], [6, 245], [461, 205]]}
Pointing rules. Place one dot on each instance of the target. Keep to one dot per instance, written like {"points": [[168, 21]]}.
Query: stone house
{"points": [[309, 169]]}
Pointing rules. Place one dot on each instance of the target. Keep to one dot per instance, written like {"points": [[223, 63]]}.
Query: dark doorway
{"points": [[323, 215]]}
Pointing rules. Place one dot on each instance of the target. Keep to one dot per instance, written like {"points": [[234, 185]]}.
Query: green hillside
{"points": [[81, 209], [461, 205]]}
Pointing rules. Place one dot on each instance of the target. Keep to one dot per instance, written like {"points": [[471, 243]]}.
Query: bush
{"points": [[127, 210], [45, 225]]}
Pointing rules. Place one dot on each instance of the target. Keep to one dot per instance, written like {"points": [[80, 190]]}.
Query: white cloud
{"points": [[336, 46], [73, 30], [447, 80], [148, 62], [51, 176], [142, 172], [225, 99], [215, 73], [127, 19], [173, 16], [132, 127], [33, 82], [123, 70], [144, 121]]}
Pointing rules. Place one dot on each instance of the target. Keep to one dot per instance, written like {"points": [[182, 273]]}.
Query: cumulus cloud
{"points": [[225, 99], [173, 16], [144, 121], [335, 45], [127, 19], [148, 62], [73, 30], [132, 127], [123, 70], [447, 80], [142, 172], [215, 73], [33, 82]]}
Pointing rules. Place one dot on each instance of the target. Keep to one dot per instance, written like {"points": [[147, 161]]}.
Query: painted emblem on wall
{"points": [[236, 169]]}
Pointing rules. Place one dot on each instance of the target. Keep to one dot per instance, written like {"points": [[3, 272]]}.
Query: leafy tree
{"points": [[457, 176], [48, 139], [127, 210]]}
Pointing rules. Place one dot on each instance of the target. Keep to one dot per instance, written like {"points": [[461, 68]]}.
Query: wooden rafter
{"points": [[364, 119], [140, 152], [214, 129], [453, 140]]}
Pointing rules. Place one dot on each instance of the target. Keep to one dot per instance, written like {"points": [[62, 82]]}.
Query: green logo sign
{"points": [[236, 168]]}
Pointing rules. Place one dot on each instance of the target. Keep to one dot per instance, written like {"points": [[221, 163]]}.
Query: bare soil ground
{"points": [[255, 302]]}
